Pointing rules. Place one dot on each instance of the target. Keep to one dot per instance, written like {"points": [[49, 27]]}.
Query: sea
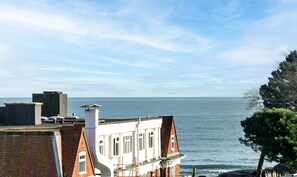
{"points": [[208, 128]]}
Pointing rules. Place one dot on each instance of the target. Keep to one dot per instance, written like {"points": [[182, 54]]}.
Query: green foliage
{"points": [[274, 133], [281, 90]]}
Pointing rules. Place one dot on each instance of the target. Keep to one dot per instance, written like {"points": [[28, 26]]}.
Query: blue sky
{"points": [[146, 48]]}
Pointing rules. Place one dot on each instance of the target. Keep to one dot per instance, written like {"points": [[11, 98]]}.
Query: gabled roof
{"points": [[72, 138], [27, 154], [168, 129], [35, 150]]}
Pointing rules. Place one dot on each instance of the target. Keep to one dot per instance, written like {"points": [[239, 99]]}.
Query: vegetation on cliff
{"points": [[273, 132]]}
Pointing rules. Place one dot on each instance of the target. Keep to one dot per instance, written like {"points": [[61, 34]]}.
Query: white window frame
{"points": [[151, 139], [116, 146], [82, 162], [172, 142], [141, 141], [101, 146], [127, 144]]}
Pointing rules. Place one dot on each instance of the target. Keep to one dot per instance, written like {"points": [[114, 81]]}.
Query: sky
{"points": [[142, 48]]}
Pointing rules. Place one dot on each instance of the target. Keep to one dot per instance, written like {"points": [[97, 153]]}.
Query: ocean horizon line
{"points": [[137, 97]]}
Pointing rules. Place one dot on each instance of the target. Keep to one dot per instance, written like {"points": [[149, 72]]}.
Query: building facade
{"points": [[131, 147], [138, 147]]}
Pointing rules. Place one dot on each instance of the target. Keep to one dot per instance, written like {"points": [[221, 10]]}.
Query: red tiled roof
{"points": [[27, 154], [31, 151]]}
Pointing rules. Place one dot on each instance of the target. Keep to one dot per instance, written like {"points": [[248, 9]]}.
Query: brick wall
{"points": [[156, 173], [74, 142], [173, 133], [177, 170], [167, 171], [89, 168]]}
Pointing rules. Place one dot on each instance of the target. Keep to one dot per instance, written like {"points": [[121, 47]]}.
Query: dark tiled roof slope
{"points": [[70, 140], [168, 129], [27, 154], [73, 141]]}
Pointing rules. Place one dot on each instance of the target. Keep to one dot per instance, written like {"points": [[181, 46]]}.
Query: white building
{"points": [[130, 147]]}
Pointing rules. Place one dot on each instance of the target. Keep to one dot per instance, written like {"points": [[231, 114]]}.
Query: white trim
{"points": [[56, 154]]}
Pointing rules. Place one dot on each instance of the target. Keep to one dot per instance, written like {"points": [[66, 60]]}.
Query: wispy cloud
{"points": [[142, 39], [163, 37], [227, 11], [75, 70], [35, 20], [148, 48], [264, 40], [5, 73], [3, 49], [251, 55], [136, 64], [289, 1], [165, 60]]}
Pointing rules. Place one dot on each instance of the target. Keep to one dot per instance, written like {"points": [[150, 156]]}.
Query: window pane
{"points": [[82, 162], [141, 141], [172, 142], [101, 147], [116, 146], [82, 166], [117, 149], [131, 144], [127, 141], [82, 157], [151, 139]]}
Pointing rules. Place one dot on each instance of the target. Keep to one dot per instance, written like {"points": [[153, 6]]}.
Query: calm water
{"points": [[208, 128]]}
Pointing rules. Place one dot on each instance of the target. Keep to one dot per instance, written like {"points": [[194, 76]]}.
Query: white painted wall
{"points": [[109, 131], [148, 158], [91, 129]]}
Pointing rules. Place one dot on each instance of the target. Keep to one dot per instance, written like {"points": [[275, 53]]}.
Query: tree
{"points": [[281, 90], [254, 99], [273, 132]]}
